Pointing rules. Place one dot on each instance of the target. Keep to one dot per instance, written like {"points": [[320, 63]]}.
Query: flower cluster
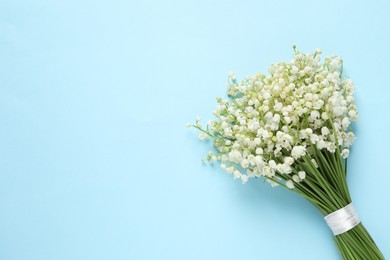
{"points": [[271, 122]]}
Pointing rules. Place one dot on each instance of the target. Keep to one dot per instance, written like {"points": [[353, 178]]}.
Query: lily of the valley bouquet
{"points": [[293, 128]]}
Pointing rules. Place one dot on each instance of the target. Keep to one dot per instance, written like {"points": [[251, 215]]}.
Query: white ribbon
{"points": [[342, 220]]}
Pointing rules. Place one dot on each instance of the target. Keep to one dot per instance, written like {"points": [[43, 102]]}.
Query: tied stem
{"points": [[326, 188], [357, 243]]}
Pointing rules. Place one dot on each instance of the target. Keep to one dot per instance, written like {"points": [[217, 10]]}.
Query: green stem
{"points": [[326, 188]]}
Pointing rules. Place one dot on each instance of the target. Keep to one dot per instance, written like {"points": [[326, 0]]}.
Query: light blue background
{"points": [[95, 162]]}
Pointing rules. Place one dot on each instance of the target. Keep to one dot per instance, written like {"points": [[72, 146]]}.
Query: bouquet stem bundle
{"points": [[293, 128], [326, 188]]}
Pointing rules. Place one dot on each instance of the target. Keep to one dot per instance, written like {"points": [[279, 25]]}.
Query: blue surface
{"points": [[95, 162]]}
